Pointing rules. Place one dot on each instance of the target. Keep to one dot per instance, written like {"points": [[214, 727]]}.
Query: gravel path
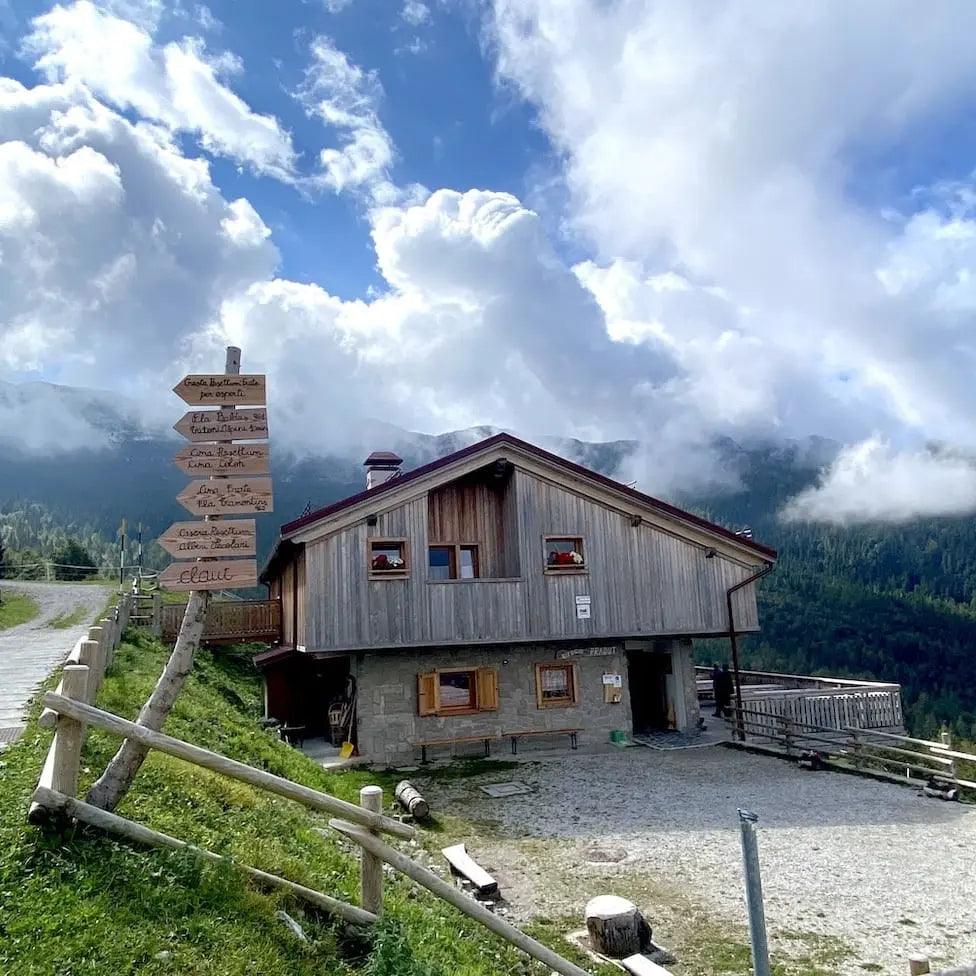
{"points": [[878, 866], [30, 652]]}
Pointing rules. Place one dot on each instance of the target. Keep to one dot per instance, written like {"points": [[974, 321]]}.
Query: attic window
{"points": [[388, 558], [564, 554]]}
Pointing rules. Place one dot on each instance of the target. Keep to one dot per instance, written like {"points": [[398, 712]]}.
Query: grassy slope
{"points": [[16, 608], [86, 904]]}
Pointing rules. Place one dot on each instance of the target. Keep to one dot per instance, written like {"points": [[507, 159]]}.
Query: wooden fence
{"points": [[860, 748], [230, 620], [54, 801]]}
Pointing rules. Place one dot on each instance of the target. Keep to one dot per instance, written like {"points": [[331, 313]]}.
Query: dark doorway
{"points": [[647, 675], [301, 689]]}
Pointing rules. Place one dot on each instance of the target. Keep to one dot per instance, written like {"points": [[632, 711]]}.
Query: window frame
{"points": [[579, 545], [455, 567], [570, 669], [484, 692], [389, 542], [471, 707]]}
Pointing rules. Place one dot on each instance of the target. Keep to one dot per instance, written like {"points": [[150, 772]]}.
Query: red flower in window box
{"points": [[381, 562], [565, 559]]}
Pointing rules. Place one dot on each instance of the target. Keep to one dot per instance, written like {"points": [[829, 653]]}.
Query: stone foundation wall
{"points": [[388, 722]]}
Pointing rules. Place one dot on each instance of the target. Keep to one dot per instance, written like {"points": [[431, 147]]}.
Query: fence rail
{"points": [[859, 747], [238, 620], [54, 799]]}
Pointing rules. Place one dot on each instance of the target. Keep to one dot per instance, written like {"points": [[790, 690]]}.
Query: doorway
{"points": [[647, 675]]}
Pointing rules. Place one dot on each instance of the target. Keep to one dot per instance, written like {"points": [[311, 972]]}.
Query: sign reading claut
{"points": [[213, 451]]}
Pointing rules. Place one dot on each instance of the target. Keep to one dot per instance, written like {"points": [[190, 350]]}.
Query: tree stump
{"points": [[617, 929]]}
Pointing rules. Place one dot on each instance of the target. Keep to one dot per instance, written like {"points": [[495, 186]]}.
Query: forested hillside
{"points": [[896, 602]]}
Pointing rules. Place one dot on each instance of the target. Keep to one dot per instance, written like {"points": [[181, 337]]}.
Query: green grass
{"points": [[16, 608], [85, 904], [65, 620]]}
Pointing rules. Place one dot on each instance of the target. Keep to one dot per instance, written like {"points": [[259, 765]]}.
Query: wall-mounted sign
{"points": [[217, 575], [227, 496], [582, 608], [613, 680], [223, 389], [193, 540], [223, 425], [572, 652], [221, 459]]}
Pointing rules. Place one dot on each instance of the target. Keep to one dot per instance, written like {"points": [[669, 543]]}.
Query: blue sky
{"points": [[663, 220], [453, 126]]}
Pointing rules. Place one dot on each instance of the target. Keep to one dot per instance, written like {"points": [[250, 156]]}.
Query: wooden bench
{"points": [[453, 740], [515, 736]]}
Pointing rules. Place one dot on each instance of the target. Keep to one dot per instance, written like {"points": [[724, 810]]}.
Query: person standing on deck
{"points": [[717, 689], [726, 688]]}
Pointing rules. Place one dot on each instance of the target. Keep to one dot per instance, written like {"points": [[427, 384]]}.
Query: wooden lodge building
{"points": [[498, 594]]}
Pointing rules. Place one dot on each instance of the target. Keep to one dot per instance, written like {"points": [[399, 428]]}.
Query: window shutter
{"points": [[487, 689], [427, 693]]}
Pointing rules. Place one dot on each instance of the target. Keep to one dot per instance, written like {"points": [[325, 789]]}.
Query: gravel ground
{"points": [[877, 866], [30, 652]]}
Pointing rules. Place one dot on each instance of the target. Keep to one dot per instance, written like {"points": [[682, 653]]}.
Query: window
{"points": [[564, 553], [388, 558], [555, 685], [451, 562], [457, 691]]}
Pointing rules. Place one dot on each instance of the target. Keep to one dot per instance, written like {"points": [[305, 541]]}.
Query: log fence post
{"points": [[371, 866], [69, 733]]}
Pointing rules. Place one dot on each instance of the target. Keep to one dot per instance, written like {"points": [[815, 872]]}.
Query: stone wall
{"points": [[387, 704]]}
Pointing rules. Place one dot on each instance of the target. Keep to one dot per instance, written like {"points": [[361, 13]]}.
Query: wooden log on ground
{"points": [[371, 867], [918, 966], [462, 902], [410, 799], [112, 823], [462, 863], [617, 929], [161, 742]]}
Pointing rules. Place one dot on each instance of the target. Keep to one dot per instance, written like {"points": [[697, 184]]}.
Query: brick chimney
{"points": [[381, 466]]}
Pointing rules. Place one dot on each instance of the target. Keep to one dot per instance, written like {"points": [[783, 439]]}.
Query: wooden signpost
{"points": [[223, 425], [240, 416], [194, 540], [225, 574], [222, 389], [227, 496], [222, 459]]}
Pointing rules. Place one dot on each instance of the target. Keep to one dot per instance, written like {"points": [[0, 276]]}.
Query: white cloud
{"points": [[415, 13], [347, 98], [177, 84], [336, 6], [735, 152], [873, 482]]}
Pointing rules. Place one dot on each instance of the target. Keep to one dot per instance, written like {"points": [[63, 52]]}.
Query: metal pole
{"points": [[754, 896]]}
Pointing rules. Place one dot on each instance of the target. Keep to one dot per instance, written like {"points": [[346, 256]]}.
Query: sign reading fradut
{"points": [[239, 399]]}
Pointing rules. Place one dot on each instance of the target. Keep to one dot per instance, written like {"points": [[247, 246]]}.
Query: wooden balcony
{"points": [[230, 622]]}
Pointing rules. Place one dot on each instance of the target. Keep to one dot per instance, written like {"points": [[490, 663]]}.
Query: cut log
{"points": [[465, 865], [411, 800], [617, 929]]}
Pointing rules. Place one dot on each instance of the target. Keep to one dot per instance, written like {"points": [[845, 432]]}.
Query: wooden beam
{"points": [[98, 719], [68, 806], [463, 863], [449, 893]]}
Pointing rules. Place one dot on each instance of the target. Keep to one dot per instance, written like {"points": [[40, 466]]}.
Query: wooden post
{"points": [[157, 613], [447, 892], [371, 867], [918, 966], [69, 733]]}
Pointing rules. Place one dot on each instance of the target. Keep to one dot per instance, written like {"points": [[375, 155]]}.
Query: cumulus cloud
{"points": [[415, 13], [873, 482], [178, 84]]}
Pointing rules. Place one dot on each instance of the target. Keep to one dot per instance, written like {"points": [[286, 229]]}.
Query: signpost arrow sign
{"points": [[190, 540], [223, 425], [222, 389], [224, 574], [222, 459], [227, 496]]}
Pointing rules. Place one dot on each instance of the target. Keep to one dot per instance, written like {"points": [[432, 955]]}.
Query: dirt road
{"points": [[30, 652]]}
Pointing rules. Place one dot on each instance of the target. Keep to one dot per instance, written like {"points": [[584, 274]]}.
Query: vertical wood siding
{"points": [[640, 580]]}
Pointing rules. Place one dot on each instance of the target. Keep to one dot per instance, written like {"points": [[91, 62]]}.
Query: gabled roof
{"points": [[485, 446]]}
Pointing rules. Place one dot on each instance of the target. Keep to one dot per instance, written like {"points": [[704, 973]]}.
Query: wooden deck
{"points": [[230, 622]]}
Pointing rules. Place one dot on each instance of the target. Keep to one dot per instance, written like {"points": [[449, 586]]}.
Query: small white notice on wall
{"points": [[614, 680], [582, 608], [580, 600]]}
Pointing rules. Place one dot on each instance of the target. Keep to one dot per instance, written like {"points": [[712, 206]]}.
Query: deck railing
{"points": [[231, 620]]}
